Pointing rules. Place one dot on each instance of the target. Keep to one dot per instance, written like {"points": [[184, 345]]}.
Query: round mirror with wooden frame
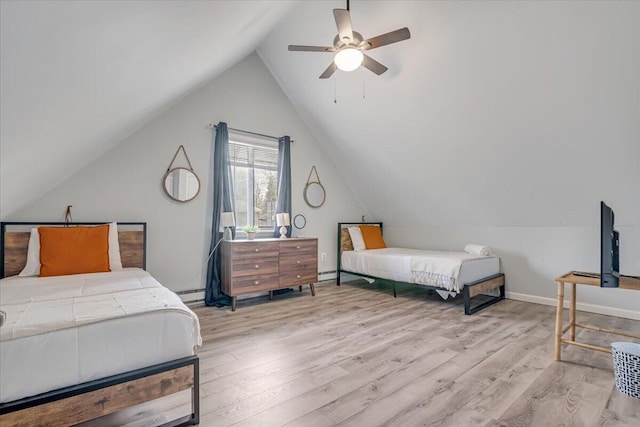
{"points": [[314, 192], [181, 184]]}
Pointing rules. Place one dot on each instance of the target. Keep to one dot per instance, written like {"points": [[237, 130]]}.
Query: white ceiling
{"points": [[78, 77], [483, 112], [474, 123]]}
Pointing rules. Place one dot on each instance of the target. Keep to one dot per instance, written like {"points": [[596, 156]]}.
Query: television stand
{"points": [[591, 279]]}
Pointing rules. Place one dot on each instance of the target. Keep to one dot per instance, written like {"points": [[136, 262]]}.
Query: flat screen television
{"points": [[609, 249]]}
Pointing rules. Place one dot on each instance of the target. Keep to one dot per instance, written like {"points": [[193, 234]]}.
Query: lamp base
{"points": [[227, 234], [283, 232]]}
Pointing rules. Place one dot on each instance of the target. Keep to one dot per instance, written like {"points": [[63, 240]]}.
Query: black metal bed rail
{"points": [[78, 389]]}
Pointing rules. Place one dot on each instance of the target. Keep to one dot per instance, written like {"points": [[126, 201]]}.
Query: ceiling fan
{"points": [[349, 46]]}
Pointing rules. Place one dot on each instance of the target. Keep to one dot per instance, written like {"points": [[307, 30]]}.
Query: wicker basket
{"points": [[626, 366]]}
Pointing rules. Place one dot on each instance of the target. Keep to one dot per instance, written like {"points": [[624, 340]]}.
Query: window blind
{"points": [[252, 156]]}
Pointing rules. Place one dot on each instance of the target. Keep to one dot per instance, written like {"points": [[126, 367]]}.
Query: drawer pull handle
{"points": [[298, 276], [298, 261], [257, 266], [297, 247], [257, 282], [257, 250]]}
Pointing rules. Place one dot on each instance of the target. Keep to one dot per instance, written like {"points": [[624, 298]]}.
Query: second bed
{"points": [[448, 272]]}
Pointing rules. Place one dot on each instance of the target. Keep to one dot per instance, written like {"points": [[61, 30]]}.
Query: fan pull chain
{"points": [[335, 91], [364, 89]]}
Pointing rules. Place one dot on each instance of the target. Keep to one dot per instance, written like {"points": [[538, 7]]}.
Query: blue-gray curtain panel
{"points": [[222, 202], [284, 181]]}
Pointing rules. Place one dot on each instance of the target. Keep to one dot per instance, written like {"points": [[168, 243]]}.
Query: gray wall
{"points": [[125, 183]]}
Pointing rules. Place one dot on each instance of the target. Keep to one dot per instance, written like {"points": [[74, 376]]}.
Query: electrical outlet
{"points": [[323, 256]]}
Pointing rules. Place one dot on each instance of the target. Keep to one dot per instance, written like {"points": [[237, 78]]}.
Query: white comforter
{"points": [[439, 269], [37, 305]]}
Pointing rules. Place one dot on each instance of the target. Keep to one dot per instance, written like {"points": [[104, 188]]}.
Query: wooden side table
{"points": [[626, 282]]}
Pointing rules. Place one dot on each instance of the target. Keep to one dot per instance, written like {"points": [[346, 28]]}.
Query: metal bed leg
{"points": [[395, 294], [467, 300], [195, 404], [466, 291]]}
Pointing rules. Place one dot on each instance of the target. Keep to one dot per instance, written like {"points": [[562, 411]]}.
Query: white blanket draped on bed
{"points": [[439, 268], [33, 308]]}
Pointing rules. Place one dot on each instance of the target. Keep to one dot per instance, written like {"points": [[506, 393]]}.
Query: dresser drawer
{"points": [[293, 247], [259, 283], [302, 277], [252, 249], [251, 266], [296, 263]]}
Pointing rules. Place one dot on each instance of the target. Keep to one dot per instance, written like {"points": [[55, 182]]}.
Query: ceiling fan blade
{"points": [[385, 39], [343, 21], [372, 65], [329, 71], [298, 48]]}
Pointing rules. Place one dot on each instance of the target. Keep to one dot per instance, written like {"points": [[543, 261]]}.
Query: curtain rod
{"points": [[212, 126]]}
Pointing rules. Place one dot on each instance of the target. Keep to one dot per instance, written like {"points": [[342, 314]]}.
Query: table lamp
{"points": [[282, 220], [227, 221]]}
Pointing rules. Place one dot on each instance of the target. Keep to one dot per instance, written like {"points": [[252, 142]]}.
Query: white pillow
{"points": [[32, 268], [115, 262], [356, 239]]}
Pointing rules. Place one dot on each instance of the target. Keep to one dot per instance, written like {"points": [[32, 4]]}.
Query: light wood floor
{"points": [[355, 356]]}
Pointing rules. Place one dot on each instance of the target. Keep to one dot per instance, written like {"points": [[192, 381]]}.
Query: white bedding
{"points": [[57, 357], [442, 269]]}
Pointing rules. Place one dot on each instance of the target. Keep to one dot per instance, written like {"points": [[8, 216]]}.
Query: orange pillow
{"points": [[372, 236], [73, 250]]}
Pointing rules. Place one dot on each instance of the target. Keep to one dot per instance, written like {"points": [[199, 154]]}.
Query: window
{"points": [[254, 167]]}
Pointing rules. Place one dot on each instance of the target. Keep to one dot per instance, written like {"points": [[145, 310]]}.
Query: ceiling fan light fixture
{"points": [[348, 59]]}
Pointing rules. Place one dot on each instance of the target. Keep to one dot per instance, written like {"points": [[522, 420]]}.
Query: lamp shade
{"points": [[348, 59], [227, 219], [282, 219]]}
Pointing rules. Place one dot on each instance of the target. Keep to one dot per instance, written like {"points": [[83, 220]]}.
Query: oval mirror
{"points": [[314, 194], [299, 221], [181, 184]]}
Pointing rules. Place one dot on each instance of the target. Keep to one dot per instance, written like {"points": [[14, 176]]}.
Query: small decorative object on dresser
{"points": [[282, 220], [251, 231], [268, 264], [299, 222]]}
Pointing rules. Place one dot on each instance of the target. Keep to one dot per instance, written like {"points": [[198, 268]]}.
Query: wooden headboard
{"points": [[344, 240], [14, 237]]}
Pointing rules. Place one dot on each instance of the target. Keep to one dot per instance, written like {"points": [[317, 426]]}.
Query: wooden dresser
{"points": [[250, 266]]}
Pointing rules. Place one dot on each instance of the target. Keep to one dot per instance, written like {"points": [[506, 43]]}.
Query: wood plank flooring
{"points": [[355, 356]]}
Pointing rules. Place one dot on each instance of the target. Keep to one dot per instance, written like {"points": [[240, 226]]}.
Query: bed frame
{"points": [[469, 290], [83, 402]]}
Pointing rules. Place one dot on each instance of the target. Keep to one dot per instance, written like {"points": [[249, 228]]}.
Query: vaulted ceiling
{"points": [[78, 77], [486, 100]]}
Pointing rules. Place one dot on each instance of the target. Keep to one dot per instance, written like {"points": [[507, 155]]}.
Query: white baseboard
{"points": [[192, 297], [326, 275], [591, 308]]}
